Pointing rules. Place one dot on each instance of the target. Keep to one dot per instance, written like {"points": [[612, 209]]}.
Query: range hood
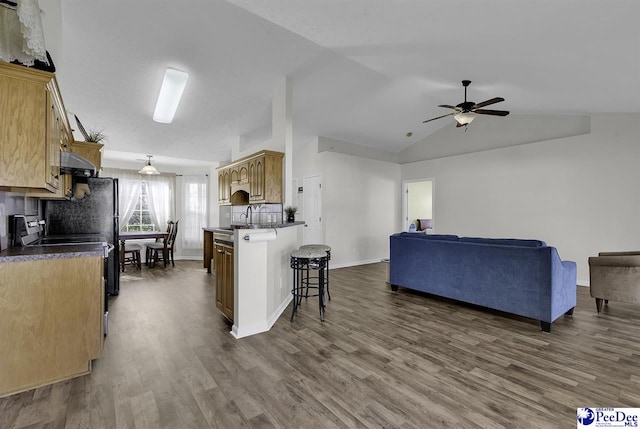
{"points": [[239, 194], [74, 164]]}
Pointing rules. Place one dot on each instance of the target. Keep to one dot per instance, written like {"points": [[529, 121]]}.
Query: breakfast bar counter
{"points": [[254, 259]]}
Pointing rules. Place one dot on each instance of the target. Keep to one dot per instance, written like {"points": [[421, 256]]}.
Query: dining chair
{"points": [[155, 251], [130, 254]]}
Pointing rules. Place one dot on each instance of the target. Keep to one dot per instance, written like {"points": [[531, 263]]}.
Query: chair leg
{"points": [[599, 304]]}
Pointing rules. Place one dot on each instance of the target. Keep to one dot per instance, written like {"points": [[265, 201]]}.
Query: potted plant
{"points": [[95, 136], [92, 136], [291, 213]]}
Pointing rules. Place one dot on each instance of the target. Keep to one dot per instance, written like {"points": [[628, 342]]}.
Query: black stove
{"points": [[64, 240]]}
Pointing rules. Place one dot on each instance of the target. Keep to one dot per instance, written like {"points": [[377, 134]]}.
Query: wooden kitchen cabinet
{"points": [[51, 320], [263, 173], [34, 129], [224, 268], [92, 152], [240, 173], [224, 187]]}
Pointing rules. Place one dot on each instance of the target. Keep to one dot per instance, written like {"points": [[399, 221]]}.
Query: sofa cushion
{"points": [[504, 241], [438, 237]]}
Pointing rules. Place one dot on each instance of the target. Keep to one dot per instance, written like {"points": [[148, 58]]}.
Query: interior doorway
{"points": [[417, 202]]}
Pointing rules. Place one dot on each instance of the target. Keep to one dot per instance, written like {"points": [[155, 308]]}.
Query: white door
{"points": [[312, 210]]}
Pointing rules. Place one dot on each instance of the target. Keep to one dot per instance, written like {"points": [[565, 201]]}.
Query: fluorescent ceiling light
{"points": [[148, 168], [170, 93], [465, 118]]}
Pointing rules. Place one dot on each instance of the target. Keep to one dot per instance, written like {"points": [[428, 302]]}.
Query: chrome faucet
{"points": [[248, 215]]}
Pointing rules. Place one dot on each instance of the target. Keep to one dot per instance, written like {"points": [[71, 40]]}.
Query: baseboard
{"points": [[281, 308], [187, 258], [354, 263], [247, 331]]}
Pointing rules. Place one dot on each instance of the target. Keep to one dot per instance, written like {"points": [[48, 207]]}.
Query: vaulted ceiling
{"points": [[364, 72]]}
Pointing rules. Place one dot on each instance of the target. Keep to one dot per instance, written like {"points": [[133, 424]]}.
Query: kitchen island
{"points": [[51, 314], [261, 272]]}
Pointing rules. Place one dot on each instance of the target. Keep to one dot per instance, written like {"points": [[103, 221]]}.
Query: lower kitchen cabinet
{"points": [[224, 267], [51, 320]]}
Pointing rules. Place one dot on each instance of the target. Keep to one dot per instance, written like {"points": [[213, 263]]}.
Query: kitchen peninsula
{"points": [[259, 276]]}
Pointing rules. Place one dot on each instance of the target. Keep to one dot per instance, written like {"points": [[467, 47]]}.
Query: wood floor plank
{"points": [[381, 359]]}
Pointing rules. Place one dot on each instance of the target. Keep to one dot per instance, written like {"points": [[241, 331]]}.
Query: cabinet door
{"points": [[23, 149], [243, 173], [256, 179], [218, 266], [224, 186], [228, 280]]}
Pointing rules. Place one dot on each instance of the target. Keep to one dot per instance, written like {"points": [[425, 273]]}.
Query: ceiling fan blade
{"points": [[488, 102], [439, 117], [491, 112], [448, 106]]}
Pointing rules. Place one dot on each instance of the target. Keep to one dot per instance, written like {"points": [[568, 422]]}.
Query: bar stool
{"points": [[302, 262], [321, 248]]}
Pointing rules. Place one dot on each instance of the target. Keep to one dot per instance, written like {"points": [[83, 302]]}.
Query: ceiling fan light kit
{"points": [[464, 118], [149, 169], [465, 112]]}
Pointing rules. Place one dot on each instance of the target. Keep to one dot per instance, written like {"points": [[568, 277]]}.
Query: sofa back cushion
{"points": [[504, 241], [437, 237]]}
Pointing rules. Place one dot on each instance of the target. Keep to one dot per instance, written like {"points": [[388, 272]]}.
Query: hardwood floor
{"points": [[380, 360]]}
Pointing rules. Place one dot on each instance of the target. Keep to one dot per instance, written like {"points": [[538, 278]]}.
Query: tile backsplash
{"points": [[260, 213]]}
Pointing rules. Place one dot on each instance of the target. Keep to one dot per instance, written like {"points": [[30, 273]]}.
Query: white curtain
{"points": [[161, 190], [194, 209], [129, 186]]}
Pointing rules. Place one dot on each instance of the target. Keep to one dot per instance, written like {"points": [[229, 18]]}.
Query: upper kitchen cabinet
{"points": [[89, 151], [260, 172], [34, 130], [224, 187]]}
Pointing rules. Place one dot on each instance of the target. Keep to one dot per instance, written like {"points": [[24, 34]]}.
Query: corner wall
{"points": [[361, 203]]}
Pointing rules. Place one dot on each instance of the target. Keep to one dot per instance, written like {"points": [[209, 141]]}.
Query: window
{"points": [[140, 219], [194, 209]]}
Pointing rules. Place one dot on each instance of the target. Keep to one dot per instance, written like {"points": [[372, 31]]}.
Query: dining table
{"points": [[144, 235]]}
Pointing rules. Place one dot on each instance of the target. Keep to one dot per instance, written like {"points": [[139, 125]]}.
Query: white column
{"points": [[282, 132]]}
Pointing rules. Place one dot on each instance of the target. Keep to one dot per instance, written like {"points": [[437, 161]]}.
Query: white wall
{"points": [[578, 193], [361, 203]]}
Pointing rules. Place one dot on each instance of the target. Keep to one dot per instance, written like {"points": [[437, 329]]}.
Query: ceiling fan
{"points": [[465, 112]]}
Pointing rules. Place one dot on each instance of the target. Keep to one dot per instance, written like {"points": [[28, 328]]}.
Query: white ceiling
{"points": [[362, 71]]}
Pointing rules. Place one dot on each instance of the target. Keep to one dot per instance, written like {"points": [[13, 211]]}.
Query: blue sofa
{"points": [[522, 277]]}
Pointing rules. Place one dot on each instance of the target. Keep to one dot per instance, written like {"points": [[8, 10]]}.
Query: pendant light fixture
{"points": [[148, 168]]}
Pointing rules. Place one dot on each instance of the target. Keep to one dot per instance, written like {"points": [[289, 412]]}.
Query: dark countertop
{"points": [[234, 226], [35, 253]]}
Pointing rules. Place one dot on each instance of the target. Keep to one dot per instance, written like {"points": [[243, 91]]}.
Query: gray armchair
{"points": [[615, 276]]}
